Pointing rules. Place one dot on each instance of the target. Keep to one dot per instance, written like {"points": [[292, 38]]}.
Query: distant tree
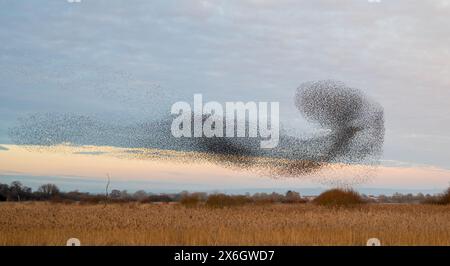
{"points": [[73, 195], [15, 190], [140, 195], [420, 197], [4, 192], [445, 198], [19, 192], [383, 198], [115, 194], [49, 190], [124, 195], [292, 197]]}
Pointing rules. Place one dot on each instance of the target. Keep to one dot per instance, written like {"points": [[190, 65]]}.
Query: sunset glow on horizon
{"points": [[94, 162]]}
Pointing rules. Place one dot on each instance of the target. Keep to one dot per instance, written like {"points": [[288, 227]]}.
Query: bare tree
{"points": [[49, 190], [106, 189], [16, 189]]}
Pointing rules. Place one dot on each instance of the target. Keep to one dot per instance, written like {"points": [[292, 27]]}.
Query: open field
{"points": [[40, 223]]}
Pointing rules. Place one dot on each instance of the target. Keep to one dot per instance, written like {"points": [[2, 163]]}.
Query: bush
{"points": [[339, 197], [157, 198], [264, 198], [58, 199], [442, 199], [445, 198], [190, 200], [293, 197], [92, 199], [222, 200]]}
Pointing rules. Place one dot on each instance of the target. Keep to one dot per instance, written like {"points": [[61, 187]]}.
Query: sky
{"points": [[129, 61]]}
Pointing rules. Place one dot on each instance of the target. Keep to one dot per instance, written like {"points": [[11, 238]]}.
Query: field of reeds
{"points": [[44, 223]]}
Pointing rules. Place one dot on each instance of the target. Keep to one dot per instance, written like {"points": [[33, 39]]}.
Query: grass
{"points": [[41, 223]]}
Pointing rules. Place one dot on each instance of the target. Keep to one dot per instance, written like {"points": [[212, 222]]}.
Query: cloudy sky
{"points": [[130, 60]]}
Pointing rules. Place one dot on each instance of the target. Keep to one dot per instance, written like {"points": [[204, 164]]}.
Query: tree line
{"points": [[16, 191]]}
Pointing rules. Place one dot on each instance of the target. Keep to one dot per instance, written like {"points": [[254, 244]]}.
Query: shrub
{"points": [[92, 199], [264, 198], [445, 198], [222, 200], [190, 200], [442, 199], [58, 200], [157, 198], [293, 197], [339, 197]]}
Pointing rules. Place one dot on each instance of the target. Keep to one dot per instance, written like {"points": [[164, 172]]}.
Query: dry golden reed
{"points": [[39, 223]]}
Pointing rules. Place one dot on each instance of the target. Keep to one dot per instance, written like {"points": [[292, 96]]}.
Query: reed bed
{"points": [[42, 223]]}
